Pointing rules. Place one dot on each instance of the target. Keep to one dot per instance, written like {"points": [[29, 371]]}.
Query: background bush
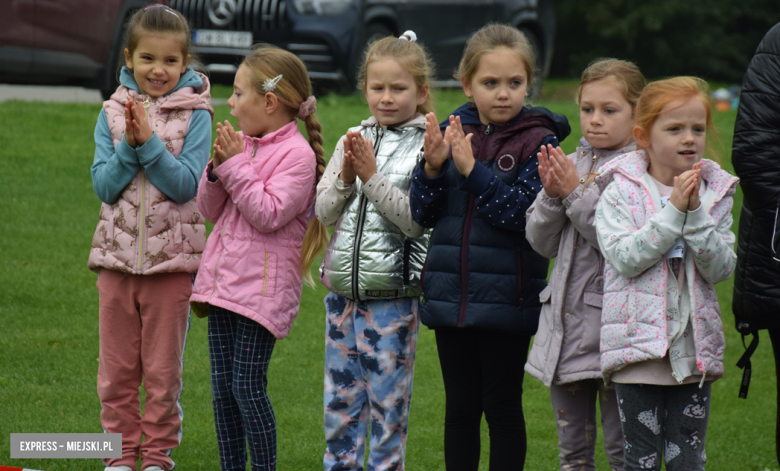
{"points": [[712, 39]]}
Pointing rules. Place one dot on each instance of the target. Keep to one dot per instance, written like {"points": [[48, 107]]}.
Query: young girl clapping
{"points": [[565, 353], [663, 224], [259, 188], [152, 140], [482, 279], [372, 265]]}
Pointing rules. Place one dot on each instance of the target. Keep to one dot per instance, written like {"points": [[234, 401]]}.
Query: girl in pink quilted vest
{"points": [[152, 143], [259, 189], [664, 227]]}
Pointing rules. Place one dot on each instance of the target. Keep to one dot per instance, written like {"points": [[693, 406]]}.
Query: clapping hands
{"points": [[137, 129], [558, 173], [227, 144], [359, 159], [685, 194]]}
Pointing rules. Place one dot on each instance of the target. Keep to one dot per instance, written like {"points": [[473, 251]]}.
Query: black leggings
{"points": [[774, 336], [483, 373]]}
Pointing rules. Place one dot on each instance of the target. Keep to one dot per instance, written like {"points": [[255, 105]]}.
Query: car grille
{"points": [[249, 15]]}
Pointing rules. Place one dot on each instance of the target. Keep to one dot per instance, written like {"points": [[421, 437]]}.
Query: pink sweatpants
{"points": [[143, 327]]}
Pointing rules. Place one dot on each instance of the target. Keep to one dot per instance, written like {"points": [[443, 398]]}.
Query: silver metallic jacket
{"points": [[369, 257]]}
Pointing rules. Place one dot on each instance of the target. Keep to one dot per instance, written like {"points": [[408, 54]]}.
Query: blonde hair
{"points": [[267, 62], [627, 76], [413, 57], [658, 95], [159, 19], [490, 38]]}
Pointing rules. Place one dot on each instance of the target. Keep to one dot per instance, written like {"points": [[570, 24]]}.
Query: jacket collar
{"points": [[634, 166], [281, 134], [558, 123], [418, 121], [586, 147]]}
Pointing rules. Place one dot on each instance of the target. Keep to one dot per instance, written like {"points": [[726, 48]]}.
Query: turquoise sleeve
{"points": [[113, 169]]}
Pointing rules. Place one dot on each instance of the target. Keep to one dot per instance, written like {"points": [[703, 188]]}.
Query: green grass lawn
{"points": [[49, 320]]}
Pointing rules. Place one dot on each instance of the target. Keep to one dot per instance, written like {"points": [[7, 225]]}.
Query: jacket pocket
{"points": [[591, 322], [546, 323]]}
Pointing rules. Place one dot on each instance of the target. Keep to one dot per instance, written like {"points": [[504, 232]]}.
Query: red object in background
{"points": [[9, 468], [77, 42]]}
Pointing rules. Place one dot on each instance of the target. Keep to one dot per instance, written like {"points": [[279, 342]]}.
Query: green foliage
{"points": [[49, 322], [713, 39]]}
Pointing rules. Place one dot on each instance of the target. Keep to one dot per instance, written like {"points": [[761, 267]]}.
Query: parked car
{"points": [[329, 35], [74, 42]]}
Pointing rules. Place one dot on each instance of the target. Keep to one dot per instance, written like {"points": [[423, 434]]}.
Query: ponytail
{"points": [[317, 237]]}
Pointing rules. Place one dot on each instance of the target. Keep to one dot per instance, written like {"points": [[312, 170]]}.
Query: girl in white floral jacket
{"points": [[664, 228]]}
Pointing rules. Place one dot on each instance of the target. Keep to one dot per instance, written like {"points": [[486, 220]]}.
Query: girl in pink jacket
{"points": [[152, 142], [259, 188], [663, 224]]}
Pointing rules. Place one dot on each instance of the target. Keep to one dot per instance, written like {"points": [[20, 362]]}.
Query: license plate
{"points": [[210, 37]]}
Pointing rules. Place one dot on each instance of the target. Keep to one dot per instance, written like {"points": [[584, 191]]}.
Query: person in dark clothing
{"points": [[756, 159], [481, 279]]}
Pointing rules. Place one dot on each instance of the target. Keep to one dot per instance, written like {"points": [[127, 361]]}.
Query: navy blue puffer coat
{"points": [[480, 271]]}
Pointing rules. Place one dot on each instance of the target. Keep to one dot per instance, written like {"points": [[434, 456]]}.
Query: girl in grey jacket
{"points": [[373, 262], [565, 353]]}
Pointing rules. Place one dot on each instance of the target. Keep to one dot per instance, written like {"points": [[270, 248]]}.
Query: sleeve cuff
{"points": [[373, 184], [150, 150], [478, 180], [553, 204], [226, 167], [438, 182], [673, 219], [697, 217], [212, 178], [126, 153]]}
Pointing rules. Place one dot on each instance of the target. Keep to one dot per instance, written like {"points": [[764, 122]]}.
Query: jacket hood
{"points": [[193, 92], [557, 123], [417, 121], [634, 166], [189, 78]]}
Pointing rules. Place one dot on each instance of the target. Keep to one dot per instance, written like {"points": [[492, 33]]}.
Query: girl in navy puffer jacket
{"points": [[482, 280]]}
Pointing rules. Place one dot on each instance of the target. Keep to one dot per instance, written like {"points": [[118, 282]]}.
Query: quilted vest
{"points": [[145, 232], [368, 256]]}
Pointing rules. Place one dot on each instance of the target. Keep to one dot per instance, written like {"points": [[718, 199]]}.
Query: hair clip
{"points": [[408, 36], [270, 84]]}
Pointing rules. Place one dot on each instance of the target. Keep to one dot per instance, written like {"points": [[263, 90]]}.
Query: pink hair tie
{"points": [[307, 107]]}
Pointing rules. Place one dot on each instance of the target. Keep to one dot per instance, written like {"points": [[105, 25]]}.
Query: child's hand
{"points": [[683, 187], [363, 159], [348, 174], [564, 173], [217, 155], [129, 135], [436, 147], [230, 143], [141, 130], [545, 171], [462, 154], [693, 201]]}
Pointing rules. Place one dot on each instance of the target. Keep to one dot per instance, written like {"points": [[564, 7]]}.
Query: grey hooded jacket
{"points": [[566, 346], [376, 251]]}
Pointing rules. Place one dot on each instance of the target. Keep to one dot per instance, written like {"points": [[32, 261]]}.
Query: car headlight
{"points": [[321, 7]]}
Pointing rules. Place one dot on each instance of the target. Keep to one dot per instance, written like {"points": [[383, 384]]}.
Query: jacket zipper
{"points": [[142, 221], [359, 231], [464, 249]]}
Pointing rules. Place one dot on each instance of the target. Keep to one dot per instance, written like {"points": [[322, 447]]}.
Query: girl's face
{"points": [[606, 117], [248, 106], [157, 63], [677, 138], [391, 93], [498, 87]]}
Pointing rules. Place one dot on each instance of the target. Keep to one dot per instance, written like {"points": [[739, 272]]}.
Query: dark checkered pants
{"points": [[240, 351]]}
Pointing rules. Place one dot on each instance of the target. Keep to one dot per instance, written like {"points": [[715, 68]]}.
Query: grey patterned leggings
{"points": [[664, 421]]}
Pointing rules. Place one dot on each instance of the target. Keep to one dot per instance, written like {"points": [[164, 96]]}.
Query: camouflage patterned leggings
{"points": [[369, 368]]}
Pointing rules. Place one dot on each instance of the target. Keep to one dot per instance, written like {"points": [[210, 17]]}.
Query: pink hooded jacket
{"points": [[262, 202]]}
